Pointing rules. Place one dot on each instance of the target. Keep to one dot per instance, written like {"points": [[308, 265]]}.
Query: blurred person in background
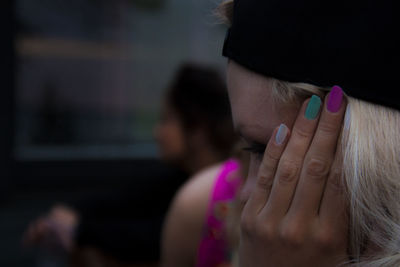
{"points": [[196, 231], [195, 134], [195, 130]]}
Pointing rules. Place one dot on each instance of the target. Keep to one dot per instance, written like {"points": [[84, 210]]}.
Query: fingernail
{"points": [[281, 134], [335, 99], [313, 107]]}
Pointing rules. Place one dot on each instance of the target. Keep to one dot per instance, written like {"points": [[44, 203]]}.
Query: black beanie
{"points": [[350, 43]]}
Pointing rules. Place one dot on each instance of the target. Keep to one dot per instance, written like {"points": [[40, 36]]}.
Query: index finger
{"points": [[266, 172]]}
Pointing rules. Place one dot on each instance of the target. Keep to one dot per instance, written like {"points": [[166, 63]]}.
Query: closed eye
{"points": [[255, 148]]}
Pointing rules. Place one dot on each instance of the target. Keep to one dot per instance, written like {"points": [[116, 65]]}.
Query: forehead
{"points": [[255, 113]]}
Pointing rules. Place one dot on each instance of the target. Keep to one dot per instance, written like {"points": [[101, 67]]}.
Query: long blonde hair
{"points": [[370, 152]]}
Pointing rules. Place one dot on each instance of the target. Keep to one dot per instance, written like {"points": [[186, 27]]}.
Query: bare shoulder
{"points": [[196, 191], [185, 219], [191, 201]]}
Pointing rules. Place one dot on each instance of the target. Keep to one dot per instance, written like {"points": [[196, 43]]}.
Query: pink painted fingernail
{"points": [[335, 99]]}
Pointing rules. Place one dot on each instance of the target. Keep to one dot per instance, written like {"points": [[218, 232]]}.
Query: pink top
{"points": [[213, 249]]}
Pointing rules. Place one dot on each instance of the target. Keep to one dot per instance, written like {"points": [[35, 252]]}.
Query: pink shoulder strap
{"points": [[213, 248]]}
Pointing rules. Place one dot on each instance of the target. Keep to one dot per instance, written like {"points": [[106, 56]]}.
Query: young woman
{"points": [[318, 193], [196, 132]]}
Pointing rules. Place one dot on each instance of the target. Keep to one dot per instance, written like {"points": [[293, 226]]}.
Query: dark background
{"points": [[29, 186]]}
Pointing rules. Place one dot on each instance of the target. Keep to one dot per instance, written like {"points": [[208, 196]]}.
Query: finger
{"points": [[267, 169], [333, 209], [319, 157], [292, 159]]}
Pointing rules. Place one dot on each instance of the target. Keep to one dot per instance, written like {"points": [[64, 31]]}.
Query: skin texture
{"points": [[292, 188], [170, 137], [185, 220]]}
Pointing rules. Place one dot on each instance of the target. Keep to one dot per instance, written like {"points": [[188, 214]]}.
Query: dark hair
{"points": [[199, 97]]}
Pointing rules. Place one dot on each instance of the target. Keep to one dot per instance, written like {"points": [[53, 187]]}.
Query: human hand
{"points": [[55, 230], [296, 215]]}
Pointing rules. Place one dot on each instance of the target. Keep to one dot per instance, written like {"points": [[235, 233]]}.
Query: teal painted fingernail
{"points": [[281, 134], [313, 107]]}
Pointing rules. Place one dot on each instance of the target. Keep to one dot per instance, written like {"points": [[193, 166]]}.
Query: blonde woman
{"points": [[319, 192]]}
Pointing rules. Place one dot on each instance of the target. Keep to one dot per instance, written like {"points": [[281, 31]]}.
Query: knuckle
{"points": [[292, 235], [335, 182], [288, 171], [327, 240], [317, 169], [267, 231], [265, 182], [302, 132], [327, 127], [272, 155], [253, 229]]}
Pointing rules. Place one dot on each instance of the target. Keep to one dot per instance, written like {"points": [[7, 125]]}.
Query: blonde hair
{"points": [[371, 171], [370, 152]]}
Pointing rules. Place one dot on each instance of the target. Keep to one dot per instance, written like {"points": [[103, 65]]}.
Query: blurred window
{"points": [[91, 73]]}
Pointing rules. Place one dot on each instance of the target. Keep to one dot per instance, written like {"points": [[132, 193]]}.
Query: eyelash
{"points": [[255, 148]]}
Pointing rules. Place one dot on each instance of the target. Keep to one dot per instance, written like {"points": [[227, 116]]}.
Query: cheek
{"points": [[171, 138], [251, 179], [175, 139], [163, 133]]}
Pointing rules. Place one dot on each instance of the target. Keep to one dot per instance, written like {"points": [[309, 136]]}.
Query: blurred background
{"points": [[82, 85]]}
